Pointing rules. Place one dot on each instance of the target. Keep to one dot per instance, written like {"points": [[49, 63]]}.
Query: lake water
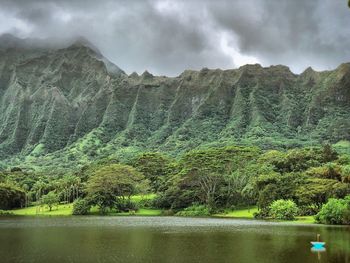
{"points": [[166, 239]]}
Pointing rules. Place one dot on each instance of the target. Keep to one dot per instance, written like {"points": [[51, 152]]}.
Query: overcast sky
{"points": [[167, 37]]}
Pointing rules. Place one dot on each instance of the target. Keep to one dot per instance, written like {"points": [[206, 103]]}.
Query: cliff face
{"points": [[74, 99]]}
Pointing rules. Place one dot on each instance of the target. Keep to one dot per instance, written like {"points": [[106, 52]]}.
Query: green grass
{"points": [[138, 198], [66, 210], [60, 210], [240, 213], [249, 214]]}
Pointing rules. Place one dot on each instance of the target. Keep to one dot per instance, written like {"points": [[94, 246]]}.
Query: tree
{"points": [[273, 186], [113, 182], [39, 188], [345, 173], [155, 167], [329, 154], [11, 196], [50, 200], [318, 191]]}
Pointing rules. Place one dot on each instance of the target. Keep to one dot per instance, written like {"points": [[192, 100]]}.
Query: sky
{"points": [[166, 37]]}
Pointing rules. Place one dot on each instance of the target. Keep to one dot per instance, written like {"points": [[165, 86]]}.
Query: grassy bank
{"points": [[66, 210], [60, 210], [248, 213]]}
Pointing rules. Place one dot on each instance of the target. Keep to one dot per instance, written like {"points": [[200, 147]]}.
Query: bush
{"points": [[283, 210], [335, 212], [126, 205], [308, 210], [168, 212], [146, 203], [262, 214], [5, 213], [195, 210], [81, 207]]}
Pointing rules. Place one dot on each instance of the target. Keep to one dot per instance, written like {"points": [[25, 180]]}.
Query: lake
{"points": [[166, 239]]}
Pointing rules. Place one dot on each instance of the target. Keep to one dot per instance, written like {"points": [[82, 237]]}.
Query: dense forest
{"points": [[282, 184]]}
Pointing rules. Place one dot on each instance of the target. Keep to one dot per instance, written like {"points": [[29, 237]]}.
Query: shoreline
{"points": [[66, 211]]}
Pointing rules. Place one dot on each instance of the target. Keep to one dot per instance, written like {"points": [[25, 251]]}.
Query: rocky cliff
{"points": [[73, 100]]}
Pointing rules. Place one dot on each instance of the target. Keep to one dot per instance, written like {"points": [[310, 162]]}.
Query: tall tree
{"points": [[114, 182]]}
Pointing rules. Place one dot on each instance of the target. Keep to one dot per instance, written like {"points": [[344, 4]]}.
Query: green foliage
{"points": [[217, 178], [335, 212], [195, 210], [155, 167], [6, 213], [11, 196], [283, 210], [114, 182], [206, 176], [149, 113], [126, 205], [318, 191], [81, 207], [50, 200]]}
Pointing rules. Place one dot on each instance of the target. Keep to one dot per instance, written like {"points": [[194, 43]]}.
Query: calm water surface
{"points": [[165, 239]]}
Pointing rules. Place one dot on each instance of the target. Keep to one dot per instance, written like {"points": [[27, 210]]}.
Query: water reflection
{"points": [[165, 239], [318, 250]]}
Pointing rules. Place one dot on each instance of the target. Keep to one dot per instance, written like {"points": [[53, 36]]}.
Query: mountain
{"points": [[73, 105]]}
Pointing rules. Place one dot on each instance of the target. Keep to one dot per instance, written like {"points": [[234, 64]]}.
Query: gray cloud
{"points": [[166, 37]]}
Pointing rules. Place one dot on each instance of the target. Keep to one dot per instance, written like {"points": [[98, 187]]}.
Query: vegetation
{"points": [[81, 207], [11, 196], [5, 213], [113, 185], [128, 115], [220, 181], [195, 210], [335, 212], [283, 210], [50, 200]]}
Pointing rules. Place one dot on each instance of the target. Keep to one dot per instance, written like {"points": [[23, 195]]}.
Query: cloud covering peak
{"points": [[167, 37]]}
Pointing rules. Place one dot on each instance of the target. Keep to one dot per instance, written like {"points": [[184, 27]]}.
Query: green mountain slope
{"points": [[72, 105]]}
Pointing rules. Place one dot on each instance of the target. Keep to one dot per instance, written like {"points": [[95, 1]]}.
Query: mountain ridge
{"points": [[71, 100]]}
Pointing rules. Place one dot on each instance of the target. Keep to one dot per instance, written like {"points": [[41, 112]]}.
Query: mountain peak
{"points": [[146, 75], [83, 42], [10, 41]]}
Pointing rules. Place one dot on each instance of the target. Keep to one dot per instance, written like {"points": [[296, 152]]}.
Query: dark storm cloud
{"points": [[297, 33], [167, 37]]}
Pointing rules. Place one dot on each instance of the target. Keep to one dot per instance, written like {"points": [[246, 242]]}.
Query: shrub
{"points": [[195, 210], [81, 207], [146, 203], [335, 212], [283, 209], [5, 213], [168, 212], [125, 205], [262, 214], [308, 210]]}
